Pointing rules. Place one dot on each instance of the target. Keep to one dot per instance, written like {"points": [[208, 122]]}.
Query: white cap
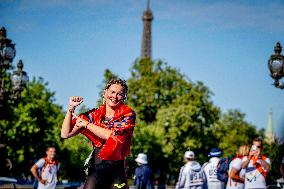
{"points": [[141, 158], [189, 154]]}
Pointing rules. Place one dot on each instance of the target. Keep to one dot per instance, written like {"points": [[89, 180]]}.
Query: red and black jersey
{"points": [[122, 124]]}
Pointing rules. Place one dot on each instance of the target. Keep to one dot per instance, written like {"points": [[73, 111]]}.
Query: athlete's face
{"points": [[51, 152], [114, 95]]}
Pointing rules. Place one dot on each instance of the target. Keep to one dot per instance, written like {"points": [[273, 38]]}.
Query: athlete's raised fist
{"points": [[75, 101]]}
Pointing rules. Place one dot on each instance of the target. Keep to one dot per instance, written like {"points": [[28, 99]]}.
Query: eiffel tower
{"points": [[146, 49]]}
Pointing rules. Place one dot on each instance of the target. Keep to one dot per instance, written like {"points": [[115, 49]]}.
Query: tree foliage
{"points": [[73, 152], [232, 131], [6, 92], [32, 125], [174, 114], [154, 85], [275, 152]]}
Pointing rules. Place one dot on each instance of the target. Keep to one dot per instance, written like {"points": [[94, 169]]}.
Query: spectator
{"points": [[143, 178], [5, 162], [210, 169], [280, 181], [49, 166], [191, 174], [236, 173], [282, 168], [256, 165]]}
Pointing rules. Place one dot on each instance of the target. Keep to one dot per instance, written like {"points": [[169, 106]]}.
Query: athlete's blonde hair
{"points": [[243, 150]]}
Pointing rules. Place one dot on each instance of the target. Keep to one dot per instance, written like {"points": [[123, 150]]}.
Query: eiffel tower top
{"points": [[146, 48], [148, 15]]}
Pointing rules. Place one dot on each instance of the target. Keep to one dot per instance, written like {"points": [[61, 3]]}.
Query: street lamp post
{"points": [[18, 78], [276, 66]]}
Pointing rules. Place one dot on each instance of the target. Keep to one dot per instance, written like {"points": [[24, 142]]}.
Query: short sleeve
{"points": [[181, 179], [84, 116], [74, 119], [122, 129], [268, 161], [40, 163], [118, 144], [236, 164]]}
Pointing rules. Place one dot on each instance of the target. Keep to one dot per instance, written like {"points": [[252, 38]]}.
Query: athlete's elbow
{"points": [[268, 168], [33, 169], [244, 166], [64, 136]]}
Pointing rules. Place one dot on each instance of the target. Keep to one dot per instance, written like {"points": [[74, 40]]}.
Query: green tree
{"points": [[232, 131], [154, 85], [275, 153], [6, 93], [74, 152], [174, 114], [31, 126], [184, 125], [34, 124]]}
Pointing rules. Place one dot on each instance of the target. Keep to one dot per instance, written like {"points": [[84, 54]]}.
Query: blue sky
{"points": [[225, 44]]}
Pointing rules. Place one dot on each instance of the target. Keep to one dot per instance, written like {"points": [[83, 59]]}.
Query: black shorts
{"points": [[105, 174]]}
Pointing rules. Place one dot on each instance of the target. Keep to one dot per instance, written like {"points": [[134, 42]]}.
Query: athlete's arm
{"points": [[265, 164], [66, 126], [282, 170], [66, 129], [34, 171], [98, 131], [235, 176], [246, 162]]}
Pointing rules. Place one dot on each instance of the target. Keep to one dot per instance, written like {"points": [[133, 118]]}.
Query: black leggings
{"points": [[105, 174]]}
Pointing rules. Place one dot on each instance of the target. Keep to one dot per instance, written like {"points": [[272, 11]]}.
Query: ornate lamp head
{"points": [[19, 79], [3, 32], [276, 66], [7, 49]]}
